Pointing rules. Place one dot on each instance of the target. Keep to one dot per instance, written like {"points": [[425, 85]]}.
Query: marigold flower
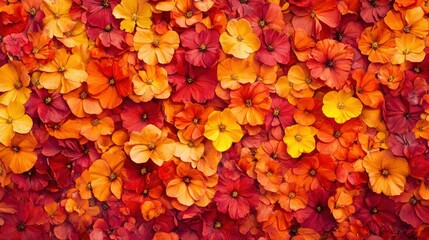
{"points": [[341, 106], [299, 139], [222, 128], [154, 48], [150, 143], [239, 39], [133, 13], [387, 173]]}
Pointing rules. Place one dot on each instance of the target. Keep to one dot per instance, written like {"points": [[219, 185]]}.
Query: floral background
{"points": [[214, 119]]}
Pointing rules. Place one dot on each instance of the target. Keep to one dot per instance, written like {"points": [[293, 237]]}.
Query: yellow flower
{"points": [[222, 128], [13, 120], [153, 48], [239, 39], [14, 83], [341, 106], [135, 13], [299, 139], [57, 17]]}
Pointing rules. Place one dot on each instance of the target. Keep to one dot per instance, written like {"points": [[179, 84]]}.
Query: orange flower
{"points": [[135, 13], [209, 162], [192, 120], [151, 143], [84, 185], [188, 186], [14, 83], [292, 197], [189, 150], [57, 18], [266, 74], [307, 111], [20, 156], [154, 48], [391, 75], [94, 127], [105, 176], [13, 120], [302, 44], [387, 173], [300, 77], [109, 82], [66, 129], [269, 174], [65, 73], [185, 14], [408, 48], [75, 37], [222, 128], [151, 209], [151, 83], [239, 39], [377, 43], [421, 130], [232, 71], [341, 204], [79, 210], [409, 21], [81, 102], [367, 88], [250, 104]]}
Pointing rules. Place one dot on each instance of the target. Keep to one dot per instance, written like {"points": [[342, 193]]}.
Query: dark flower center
{"points": [[202, 48], [340, 36], [112, 82], [20, 227], [407, 29], [273, 155], [196, 120], [144, 117], [95, 122], [234, 194], [270, 48], [244, 1], [188, 14], [151, 146], [189, 80], [385, 172], [83, 95], [417, 70], [16, 149], [47, 100], [105, 3], [319, 208], [155, 43], [187, 179], [112, 177], [146, 192], [17, 85], [33, 12], [108, 28], [292, 195], [298, 138], [217, 224], [222, 128], [360, 90], [248, 102], [413, 200], [143, 171], [374, 45], [262, 23], [374, 210], [374, 3], [276, 112], [312, 172], [329, 63], [69, 166], [337, 134], [293, 231], [407, 115]]}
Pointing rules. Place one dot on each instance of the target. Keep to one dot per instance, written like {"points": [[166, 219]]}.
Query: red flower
{"points": [[348, 30], [279, 116], [48, 107], [62, 168], [406, 145], [315, 172], [203, 49], [275, 48], [217, 226], [35, 179], [136, 116], [13, 19], [372, 11], [269, 16], [236, 197], [412, 209], [109, 35], [399, 115], [245, 7], [99, 12], [192, 83]]}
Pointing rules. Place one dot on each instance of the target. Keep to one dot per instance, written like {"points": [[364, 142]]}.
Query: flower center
{"points": [[298, 138], [234, 194], [95, 122], [234, 77], [144, 117], [240, 38], [155, 43], [374, 210], [407, 115], [191, 144], [407, 29], [406, 52], [20, 227], [83, 95], [340, 105], [375, 45], [340, 36], [47, 100], [319, 208], [112, 177], [417, 70], [105, 3], [35, 50], [329, 63], [313, 14], [270, 48], [143, 171], [262, 23], [112, 82], [17, 85], [292, 195], [33, 11], [196, 120], [273, 155], [61, 69], [312, 172], [108, 28], [151, 146], [222, 128], [337, 134], [276, 112], [189, 80], [374, 3], [187, 179], [248, 102], [202, 48], [16, 149], [385, 172], [9, 120], [390, 79], [188, 14], [134, 17], [413, 200], [217, 225], [269, 174], [69, 166]]}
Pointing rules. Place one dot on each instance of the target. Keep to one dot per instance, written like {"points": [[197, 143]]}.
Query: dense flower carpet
{"points": [[214, 119]]}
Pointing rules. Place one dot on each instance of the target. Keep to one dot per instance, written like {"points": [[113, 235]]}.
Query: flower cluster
{"points": [[203, 119]]}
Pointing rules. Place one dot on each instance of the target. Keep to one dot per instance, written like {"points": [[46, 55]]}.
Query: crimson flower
{"points": [[413, 209], [245, 7], [406, 145], [109, 35], [269, 16], [136, 116], [217, 226], [203, 49], [62, 168], [99, 12], [400, 116], [275, 48], [49, 107], [372, 11], [35, 179]]}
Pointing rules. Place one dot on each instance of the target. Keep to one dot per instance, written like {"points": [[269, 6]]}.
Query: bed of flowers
{"points": [[214, 119]]}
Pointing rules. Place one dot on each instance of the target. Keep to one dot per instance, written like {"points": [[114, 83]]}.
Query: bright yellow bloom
{"points": [[299, 139], [14, 83], [65, 73], [57, 17], [222, 128], [154, 48], [135, 13], [341, 106], [239, 39], [13, 120]]}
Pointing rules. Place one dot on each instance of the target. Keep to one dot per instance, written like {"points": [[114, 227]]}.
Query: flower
{"points": [[331, 62], [13, 120], [377, 42], [319, 216], [250, 104], [315, 172], [268, 17], [150, 143], [185, 14], [299, 139], [292, 196], [81, 102], [48, 107], [232, 71], [387, 173], [276, 48], [222, 128], [192, 120], [20, 156], [410, 21], [136, 116], [155, 48], [134, 13], [239, 39], [14, 83], [105, 176], [367, 88], [341, 106], [203, 49], [57, 17], [151, 83], [400, 116], [373, 11], [408, 48], [65, 73]]}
